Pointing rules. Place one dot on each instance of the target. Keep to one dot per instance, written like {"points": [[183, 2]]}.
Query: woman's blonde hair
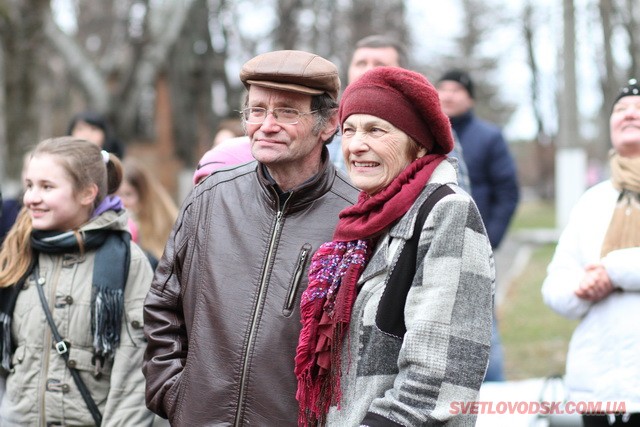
{"points": [[156, 212], [85, 165]]}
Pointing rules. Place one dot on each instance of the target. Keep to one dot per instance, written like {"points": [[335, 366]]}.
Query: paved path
{"points": [[515, 404], [513, 255]]}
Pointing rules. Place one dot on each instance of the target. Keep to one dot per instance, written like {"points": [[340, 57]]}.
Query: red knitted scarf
{"points": [[325, 307]]}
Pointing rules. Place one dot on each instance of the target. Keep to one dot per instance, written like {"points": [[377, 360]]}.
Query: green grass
{"points": [[535, 338], [538, 214]]}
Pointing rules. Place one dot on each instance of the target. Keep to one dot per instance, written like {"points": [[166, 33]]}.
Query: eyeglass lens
{"points": [[258, 115]]}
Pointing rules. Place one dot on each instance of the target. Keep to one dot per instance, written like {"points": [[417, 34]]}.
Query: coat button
{"points": [[136, 325], [68, 299], [71, 363], [65, 388]]}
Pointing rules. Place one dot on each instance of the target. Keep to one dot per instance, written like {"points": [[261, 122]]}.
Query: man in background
{"points": [[492, 173]]}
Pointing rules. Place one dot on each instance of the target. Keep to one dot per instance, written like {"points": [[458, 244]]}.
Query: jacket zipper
{"points": [[297, 277], [254, 319]]}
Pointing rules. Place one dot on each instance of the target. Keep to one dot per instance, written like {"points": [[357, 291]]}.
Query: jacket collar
{"points": [[462, 120], [303, 195]]}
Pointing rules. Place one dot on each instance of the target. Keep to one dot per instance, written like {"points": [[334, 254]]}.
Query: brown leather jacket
{"points": [[222, 316]]}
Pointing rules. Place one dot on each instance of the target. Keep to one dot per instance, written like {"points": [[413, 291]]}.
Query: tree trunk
{"points": [[543, 143], [4, 152], [191, 80], [608, 81], [22, 43], [286, 34], [165, 23], [570, 156], [568, 129], [631, 25]]}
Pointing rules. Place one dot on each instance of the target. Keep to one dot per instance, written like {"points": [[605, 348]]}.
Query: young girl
{"points": [[71, 241]]}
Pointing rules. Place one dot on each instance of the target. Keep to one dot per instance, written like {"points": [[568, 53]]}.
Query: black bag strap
{"points": [[390, 314], [62, 347]]}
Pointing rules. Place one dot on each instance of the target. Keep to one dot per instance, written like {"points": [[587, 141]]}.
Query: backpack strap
{"points": [[390, 314]]}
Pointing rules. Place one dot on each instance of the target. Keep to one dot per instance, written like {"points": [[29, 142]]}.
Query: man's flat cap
{"points": [[292, 71]]}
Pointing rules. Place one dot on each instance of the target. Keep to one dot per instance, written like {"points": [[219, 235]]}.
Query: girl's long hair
{"points": [[16, 255], [156, 212], [85, 165]]}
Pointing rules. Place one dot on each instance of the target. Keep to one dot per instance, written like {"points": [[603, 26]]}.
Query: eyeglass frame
{"points": [[275, 114]]}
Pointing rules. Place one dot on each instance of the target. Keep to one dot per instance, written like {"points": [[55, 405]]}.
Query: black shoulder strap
{"points": [[390, 314], [62, 347]]}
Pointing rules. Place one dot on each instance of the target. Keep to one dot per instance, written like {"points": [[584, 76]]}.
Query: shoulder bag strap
{"points": [[62, 347], [390, 314]]}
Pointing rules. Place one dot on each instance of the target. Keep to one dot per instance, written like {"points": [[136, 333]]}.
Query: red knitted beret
{"points": [[405, 99]]}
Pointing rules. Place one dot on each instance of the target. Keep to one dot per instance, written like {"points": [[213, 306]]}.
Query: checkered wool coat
{"points": [[421, 378]]}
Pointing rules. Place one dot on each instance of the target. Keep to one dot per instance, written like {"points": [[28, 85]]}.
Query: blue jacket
{"points": [[8, 214], [492, 172]]}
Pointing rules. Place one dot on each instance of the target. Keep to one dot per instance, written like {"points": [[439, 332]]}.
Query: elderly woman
{"points": [[595, 276], [397, 315]]}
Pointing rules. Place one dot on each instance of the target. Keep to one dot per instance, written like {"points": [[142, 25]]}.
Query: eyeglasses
{"points": [[283, 115]]}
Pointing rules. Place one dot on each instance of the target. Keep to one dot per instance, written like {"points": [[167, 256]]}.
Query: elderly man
{"points": [[222, 317]]}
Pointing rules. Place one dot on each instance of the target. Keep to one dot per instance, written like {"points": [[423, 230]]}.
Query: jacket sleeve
{"points": [[566, 269], [125, 403], [623, 268], [164, 324], [504, 189], [448, 318], [462, 171]]}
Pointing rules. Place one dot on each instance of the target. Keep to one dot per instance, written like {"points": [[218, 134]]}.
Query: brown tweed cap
{"points": [[292, 71]]}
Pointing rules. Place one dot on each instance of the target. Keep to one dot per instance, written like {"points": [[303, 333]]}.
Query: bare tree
{"points": [[479, 20], [608, 79], [125, 58], [630, 24], [3, 130], [286, 33], [544, 144], [164, 25], [22, 39], [569, 133], [191, 78]]}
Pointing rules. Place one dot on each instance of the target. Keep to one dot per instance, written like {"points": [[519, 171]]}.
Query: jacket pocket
{"points": [[298, 275], [96, 374], [83, 360]]}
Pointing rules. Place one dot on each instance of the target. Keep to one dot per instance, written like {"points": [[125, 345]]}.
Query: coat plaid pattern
{"points": [[442, 358]]}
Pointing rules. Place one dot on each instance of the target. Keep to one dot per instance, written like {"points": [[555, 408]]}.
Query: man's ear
{"points": [[331, 127], [88, 195]]}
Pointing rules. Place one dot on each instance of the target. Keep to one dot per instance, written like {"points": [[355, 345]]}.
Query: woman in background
{"points": [[150, 205], [594, 276]]}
